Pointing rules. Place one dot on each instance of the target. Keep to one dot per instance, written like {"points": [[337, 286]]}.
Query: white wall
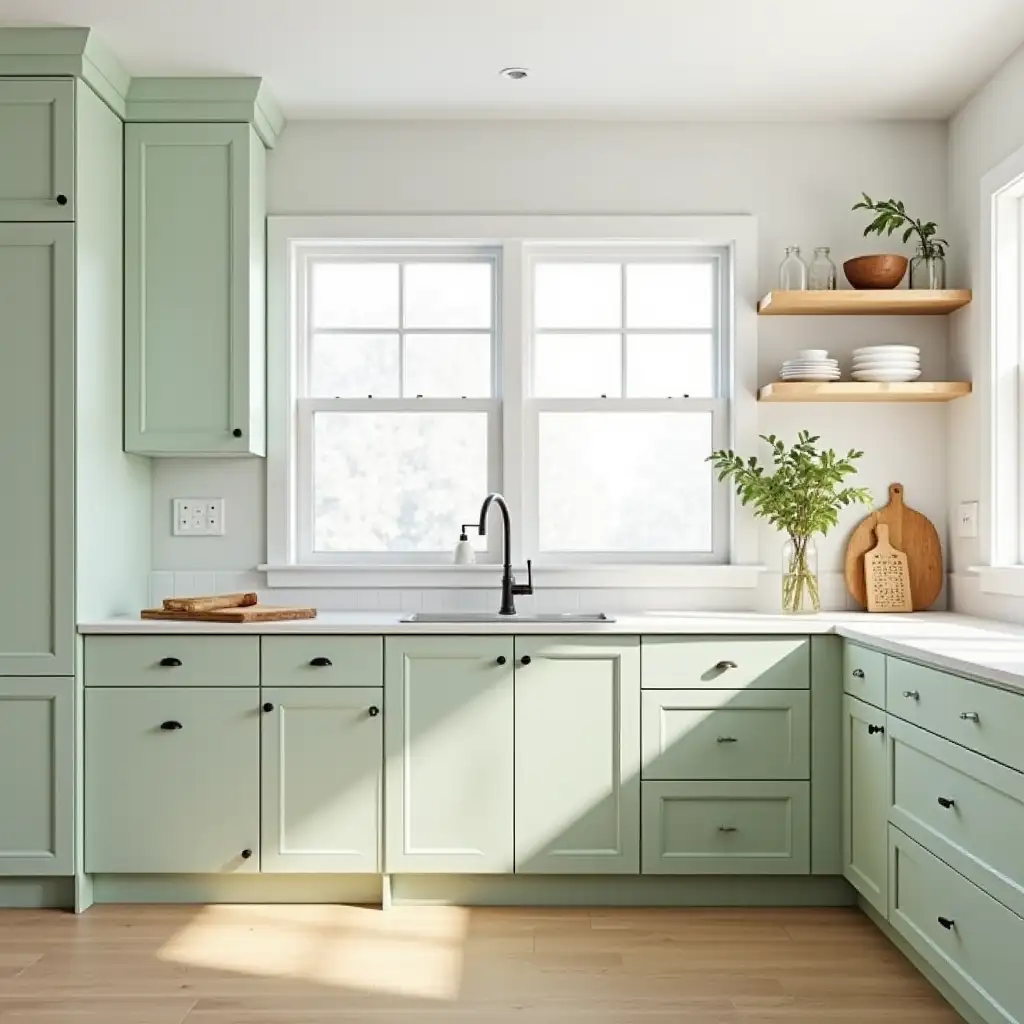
{"points": [[799, 180], [986, 131]]}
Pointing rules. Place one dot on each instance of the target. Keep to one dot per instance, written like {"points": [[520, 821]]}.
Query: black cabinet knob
{"points": [[171, 726], [502, 659], [246, 854], [724, 666], [268, 706], [237, 432], [526, 659], [374, 711], [321, 662], [62, 200], [874, 729], [947, 923], [944, 801], [171, 662], [858, 673]]}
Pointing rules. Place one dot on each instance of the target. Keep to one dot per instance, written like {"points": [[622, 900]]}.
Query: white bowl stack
{"points": [[812, 364], [887, 363]]}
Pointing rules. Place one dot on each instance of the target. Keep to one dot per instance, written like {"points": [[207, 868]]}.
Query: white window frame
{"points": [[1000, 389], [516, 237]]}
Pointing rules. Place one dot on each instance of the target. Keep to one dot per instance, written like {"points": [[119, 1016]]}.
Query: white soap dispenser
{"points": [[464, 551]]}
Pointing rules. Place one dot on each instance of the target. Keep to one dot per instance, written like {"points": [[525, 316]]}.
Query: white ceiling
{"points": [[647, 59]]}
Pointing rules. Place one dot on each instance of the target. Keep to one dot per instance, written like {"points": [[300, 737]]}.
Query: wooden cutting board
{"points": [[909, 532], [255, 613], [887, 576]]}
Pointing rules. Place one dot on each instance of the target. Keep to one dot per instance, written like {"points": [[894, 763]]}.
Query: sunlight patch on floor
{"points": [[415, 952]]}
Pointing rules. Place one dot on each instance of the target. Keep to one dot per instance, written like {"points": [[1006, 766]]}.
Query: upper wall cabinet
{"points": [[194, 289], [37, 140]]}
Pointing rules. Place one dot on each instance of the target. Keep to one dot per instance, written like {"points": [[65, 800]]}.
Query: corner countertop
{"points": [[983, 649]]}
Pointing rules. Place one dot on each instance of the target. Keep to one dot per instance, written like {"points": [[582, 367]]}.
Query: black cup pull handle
{"points": [[62, 200], [246, 854], [948, 923], [724, 666], [321, 662], [170, 662], [373, 711], [944, 801], [171, 726], [858, 673]]}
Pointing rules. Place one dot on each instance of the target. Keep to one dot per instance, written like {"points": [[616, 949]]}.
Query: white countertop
{"points": [[985, 649]]}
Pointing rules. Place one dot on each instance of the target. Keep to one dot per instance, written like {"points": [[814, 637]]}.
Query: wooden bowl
{"points": [[875, 272]]}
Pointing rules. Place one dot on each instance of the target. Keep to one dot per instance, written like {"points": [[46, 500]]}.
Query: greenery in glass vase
{"points": [[890, 216], [802, 497]]}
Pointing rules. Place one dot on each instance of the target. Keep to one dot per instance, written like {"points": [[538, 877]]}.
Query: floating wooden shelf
{"points": [[847, 302], [862, 391]]}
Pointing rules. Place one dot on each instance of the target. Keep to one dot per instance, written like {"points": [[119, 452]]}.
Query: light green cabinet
{"points": [[37, 400], [726, 734], [37, 756], [726, 828], [37, 140], [172, 780], [577, 755], [322, 757], [449, 749], [194, 289], [865, 801]]}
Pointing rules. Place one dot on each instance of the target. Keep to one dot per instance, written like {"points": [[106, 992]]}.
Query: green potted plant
{"points": [[928, 267], [802, 498]]}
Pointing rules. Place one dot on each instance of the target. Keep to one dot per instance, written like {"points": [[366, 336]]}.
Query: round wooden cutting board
{"points": [[910, 532]]}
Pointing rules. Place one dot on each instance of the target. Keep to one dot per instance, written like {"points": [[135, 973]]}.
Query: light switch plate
{"points": [[198, 517], [967, 519]]}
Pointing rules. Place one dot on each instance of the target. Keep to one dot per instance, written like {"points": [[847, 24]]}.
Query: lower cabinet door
{"points": [[726, 828], [37, 752], [969, 938], [322, 762], [577, 718], [448, 737], [172, 781], [865, 801]]}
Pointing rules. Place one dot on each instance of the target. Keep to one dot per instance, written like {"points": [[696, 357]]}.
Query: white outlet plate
{"points": [[967, 519], [198, 517]]}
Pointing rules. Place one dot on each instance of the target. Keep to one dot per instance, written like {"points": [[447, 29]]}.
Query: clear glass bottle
{"points": [[800, 593], [927, 271], [793, 271], [822, 274]]}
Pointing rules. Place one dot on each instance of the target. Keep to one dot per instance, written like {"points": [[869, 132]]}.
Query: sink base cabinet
{"points": [[449, 749], [577, 755], [172, 780], [321, 779]]}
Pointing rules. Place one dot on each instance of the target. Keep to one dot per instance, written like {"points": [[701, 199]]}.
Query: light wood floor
{"points": [[328, 965]]}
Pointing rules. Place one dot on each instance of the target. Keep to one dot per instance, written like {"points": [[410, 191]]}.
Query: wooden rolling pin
{"points": [[213, 603]]}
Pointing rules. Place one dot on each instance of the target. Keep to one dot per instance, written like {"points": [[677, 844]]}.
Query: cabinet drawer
{"points": [[963, 807], [726, 734], [978, 951], [979, 717], [864, 674], [726, 828], [726, 662], [322, 661], [171, 660], [172, 780]]}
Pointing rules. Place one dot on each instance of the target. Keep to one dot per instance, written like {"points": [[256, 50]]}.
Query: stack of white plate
{"points": [[888, 363], [810, 364]]}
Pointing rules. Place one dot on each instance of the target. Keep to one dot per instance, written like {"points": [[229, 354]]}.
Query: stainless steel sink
{"points": [[495, 617]]}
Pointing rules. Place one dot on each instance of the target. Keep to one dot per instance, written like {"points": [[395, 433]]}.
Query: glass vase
{"points": [[927, 271], [822, 274], [800, 594], [793, 271]]}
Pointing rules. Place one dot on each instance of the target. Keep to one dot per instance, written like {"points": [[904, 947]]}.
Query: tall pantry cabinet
{"points": [[74, 539]]}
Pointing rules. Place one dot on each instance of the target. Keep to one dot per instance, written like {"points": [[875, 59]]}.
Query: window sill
{"points": [[409, 577], [1007, 580]]}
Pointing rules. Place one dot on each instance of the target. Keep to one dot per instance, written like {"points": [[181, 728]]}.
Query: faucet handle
{"points": [[527, 587]]}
